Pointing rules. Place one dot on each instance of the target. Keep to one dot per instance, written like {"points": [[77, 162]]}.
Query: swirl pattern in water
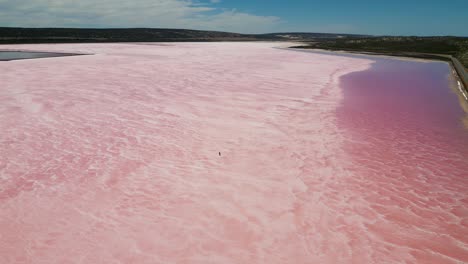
{"points": [[229, 153]]}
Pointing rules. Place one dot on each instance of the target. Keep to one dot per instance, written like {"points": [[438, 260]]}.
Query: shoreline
{"points": [[457, 69], [455, 79], [38, 55]]}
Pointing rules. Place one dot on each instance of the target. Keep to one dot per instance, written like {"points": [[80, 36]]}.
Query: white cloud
{"points": [[191, 14]]}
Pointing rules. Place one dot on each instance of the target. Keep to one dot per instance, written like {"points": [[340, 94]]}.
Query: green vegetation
{"points": [[87, 35], [428, 47], [10, 35]]}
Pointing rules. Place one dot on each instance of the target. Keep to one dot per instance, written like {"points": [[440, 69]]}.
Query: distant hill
{"points": [[10, 35], [72, 35], [455, 46]]}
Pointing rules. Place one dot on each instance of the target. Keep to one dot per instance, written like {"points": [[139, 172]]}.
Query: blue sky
{"points": [[399, 17], [378, 17]]}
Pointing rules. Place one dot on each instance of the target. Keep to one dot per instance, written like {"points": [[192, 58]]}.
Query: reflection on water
{"points": [[22, 55]]}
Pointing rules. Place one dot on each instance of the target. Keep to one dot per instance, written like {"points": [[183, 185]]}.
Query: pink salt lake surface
{"points": [[113, 157]]}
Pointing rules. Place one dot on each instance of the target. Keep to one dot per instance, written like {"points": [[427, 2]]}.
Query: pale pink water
{"points": [[113, 158]]}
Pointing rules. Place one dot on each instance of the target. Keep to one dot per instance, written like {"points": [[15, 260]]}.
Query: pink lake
{"points": [[229, 153]]}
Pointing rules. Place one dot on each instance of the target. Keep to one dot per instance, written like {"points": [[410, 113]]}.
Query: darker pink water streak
{"points": [[409, 153]]}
